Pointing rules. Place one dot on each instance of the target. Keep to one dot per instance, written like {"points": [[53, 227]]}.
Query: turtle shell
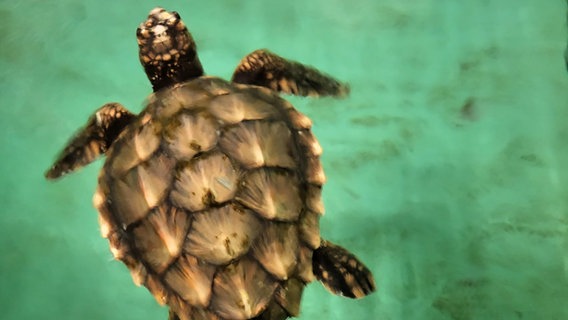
{"points": [[212, 198]]}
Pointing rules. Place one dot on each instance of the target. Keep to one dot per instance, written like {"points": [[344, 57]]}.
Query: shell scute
{"points": [[219, 235], [260, 143], [211, 179], [192, 280], [272, 194], [242, 290], [160, 237], [190, 134]]}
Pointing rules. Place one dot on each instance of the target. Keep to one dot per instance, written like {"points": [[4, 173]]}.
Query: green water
{"points": [[447, 166]]}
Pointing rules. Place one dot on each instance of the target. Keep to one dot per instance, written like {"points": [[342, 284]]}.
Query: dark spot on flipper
{"points": [[341, 272], [266, 69], [93, 140]]}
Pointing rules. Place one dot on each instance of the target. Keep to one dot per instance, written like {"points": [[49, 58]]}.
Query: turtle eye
{"points": [[142, 32]]}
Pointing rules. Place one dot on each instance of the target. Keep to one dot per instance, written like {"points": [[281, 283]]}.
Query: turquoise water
{"points": [[447, 165]]}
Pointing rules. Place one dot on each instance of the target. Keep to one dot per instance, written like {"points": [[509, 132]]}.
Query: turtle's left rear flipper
{"points": [[341, 272], [266, 69]]}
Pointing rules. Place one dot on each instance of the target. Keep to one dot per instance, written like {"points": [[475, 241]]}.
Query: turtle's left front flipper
{"points": [[341, 272], [93, 140], [266, 69]]}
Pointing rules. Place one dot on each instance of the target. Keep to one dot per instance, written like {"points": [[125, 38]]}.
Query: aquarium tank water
{"points": [[447, 166]]}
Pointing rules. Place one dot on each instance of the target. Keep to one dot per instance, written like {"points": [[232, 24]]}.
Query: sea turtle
{"points": [[211, 196]]}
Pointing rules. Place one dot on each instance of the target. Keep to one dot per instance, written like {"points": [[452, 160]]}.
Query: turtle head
{"points": [[167, 50]]}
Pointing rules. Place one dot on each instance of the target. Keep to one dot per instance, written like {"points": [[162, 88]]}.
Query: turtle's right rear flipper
{"points": [[341, 272]]}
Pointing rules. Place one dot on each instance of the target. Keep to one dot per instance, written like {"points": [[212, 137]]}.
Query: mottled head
{"points": [[167, 50]]}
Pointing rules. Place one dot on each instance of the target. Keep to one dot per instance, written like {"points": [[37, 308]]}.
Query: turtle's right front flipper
{"points": [[93, 140], [266, 69]]}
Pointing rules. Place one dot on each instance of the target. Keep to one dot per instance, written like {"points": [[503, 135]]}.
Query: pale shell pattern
{"points": [[212, 199]]}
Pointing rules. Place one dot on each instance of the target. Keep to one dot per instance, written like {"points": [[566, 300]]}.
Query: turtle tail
{"points": [[341, 272]]}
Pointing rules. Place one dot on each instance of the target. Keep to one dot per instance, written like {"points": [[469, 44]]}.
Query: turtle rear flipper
{"points": [[341, 272], [266, 69], [93, 140]]}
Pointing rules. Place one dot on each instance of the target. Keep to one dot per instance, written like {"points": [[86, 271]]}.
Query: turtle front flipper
{"points": [[341, 272], [266, 69], [93, 140]]}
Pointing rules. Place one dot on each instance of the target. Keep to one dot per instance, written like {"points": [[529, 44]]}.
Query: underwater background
{"points": [[447, 166]]}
